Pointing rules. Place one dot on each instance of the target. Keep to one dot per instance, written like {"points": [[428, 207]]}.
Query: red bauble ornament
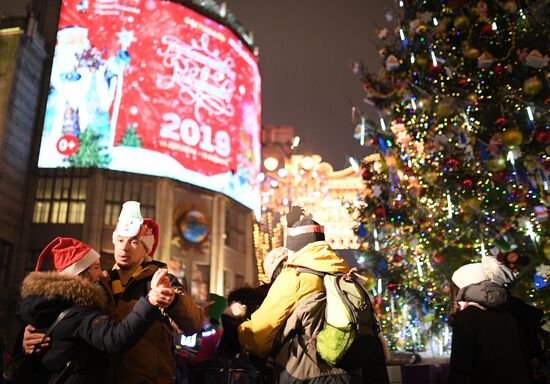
{"points": [[542, 136], [499, 176], [468, 183], [397, 260], [435, 69], [452, 163], [366, 175], [501, 121], [487, 30], [438, 259], [379, 212], [392, 286], [501, 258], [463, 83], [512, 257], [499, 69]]}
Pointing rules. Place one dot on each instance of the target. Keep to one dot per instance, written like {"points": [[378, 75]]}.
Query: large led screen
{"points": [[153, 87]]}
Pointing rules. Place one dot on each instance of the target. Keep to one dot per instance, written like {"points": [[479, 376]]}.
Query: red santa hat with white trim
{"points": [[132, 224], [68, 256]]}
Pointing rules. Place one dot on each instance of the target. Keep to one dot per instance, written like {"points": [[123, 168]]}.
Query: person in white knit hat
{"points": [[135, 240], [486, 345]]}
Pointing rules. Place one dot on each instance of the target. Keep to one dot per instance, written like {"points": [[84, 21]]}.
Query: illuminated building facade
{"points": [[304, 180]]}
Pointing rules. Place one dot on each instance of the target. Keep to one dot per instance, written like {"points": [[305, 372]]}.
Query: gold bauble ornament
{"points": [[546, 249], [470, 206], [461, 22], [421, 60], [530, 163], [444, 109], [496, 163], [532, 86], [512, 137], [511, 6], [430, 177], [471, 52]]}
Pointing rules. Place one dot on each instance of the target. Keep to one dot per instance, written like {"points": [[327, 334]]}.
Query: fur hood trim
{"points": [[74, 289]]}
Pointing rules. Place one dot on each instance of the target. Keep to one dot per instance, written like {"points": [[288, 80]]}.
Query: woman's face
{"points": [[94, 272]]}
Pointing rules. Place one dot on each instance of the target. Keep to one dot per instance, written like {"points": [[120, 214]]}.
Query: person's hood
{"points": [[45, 294], [320, 257], [71, 289], [487, 293]]}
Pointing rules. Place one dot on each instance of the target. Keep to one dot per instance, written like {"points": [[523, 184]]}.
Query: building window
{"points": [[6, 256], [239, 281], [61, 199], [126, 187], [227, 286], [200, 282], [235, 227]]}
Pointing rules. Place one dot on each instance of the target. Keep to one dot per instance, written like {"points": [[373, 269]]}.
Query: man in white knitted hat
{"points": [[135, 240]]}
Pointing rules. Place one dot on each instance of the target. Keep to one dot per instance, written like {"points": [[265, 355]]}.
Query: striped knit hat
{"points": [[303, 232]]}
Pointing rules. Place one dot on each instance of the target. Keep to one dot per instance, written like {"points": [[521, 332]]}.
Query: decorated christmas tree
{"points": [[457, 159], [90, 153], [131, 138]]}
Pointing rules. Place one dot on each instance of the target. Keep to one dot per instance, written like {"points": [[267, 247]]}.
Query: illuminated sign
{"points": [[152, 87]]}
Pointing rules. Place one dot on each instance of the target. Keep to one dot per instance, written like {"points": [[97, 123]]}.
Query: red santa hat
{"points": [[68, 256], [132, 224]]}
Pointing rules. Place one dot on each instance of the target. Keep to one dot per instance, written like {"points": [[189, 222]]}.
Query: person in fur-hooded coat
{"points": [[85, 333]]}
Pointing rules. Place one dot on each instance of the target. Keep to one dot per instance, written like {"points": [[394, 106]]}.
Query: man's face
{"points": [[129, 252]]}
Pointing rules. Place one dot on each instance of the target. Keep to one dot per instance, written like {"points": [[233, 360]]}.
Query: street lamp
{"points": [[271, 163]]}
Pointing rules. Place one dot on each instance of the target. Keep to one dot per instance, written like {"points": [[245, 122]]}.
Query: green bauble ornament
{"points": [[370, 282], [496, 163]]}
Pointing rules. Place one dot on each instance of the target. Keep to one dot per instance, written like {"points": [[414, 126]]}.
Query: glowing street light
{"points": [[271, 163]]}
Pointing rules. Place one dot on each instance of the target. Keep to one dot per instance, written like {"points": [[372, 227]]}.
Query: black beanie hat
{"points": [[302, 233]]}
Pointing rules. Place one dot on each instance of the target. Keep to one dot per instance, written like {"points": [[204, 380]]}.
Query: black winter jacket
{"points": [[86, 332], [487, 345]]}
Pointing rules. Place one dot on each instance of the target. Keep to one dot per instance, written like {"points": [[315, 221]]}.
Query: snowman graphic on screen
{"points": [[83, 88]]}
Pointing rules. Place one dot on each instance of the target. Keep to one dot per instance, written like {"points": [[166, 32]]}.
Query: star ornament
{"points": [[125, 38]]}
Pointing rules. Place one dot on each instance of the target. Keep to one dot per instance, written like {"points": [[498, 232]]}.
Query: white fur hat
{"points": [[488, 269], [132, 224]]}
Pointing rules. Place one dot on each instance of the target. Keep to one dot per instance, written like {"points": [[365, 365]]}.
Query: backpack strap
{"points": [[311, 271], [51, 328]]}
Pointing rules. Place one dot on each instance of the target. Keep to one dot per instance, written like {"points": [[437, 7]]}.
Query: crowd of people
{"points": [[119, 327]]}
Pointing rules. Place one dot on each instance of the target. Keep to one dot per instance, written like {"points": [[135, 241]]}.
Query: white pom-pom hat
{"points": [[132, 224], [489, 269]]}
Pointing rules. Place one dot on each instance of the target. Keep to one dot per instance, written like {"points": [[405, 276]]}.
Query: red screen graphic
{"points": [[153, 87]]}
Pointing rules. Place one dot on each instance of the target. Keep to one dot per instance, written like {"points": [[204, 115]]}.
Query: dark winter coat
{"points": [[150, 360], [487, 346], [85, 333]]}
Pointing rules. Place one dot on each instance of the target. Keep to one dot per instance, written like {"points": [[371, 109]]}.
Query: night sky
{"points": [[305, 50]]}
